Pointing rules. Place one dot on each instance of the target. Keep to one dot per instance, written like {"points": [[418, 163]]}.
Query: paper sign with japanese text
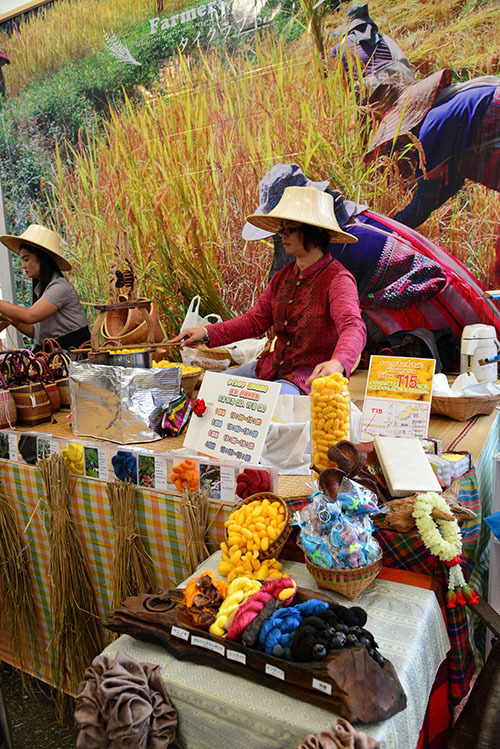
{"points": [[398, 397], [237, 417]]}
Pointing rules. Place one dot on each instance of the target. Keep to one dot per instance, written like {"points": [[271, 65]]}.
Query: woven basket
{"points": [[63, 387], [33, 404], [349, 583], [8, 410], [463, 408], [189, 381], [274, 549]]}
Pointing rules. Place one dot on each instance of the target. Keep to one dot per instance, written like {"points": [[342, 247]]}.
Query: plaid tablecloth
{"points": [[406, 551]]}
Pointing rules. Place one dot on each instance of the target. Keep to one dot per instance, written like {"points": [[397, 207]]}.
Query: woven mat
{"points": [[294, 486]]}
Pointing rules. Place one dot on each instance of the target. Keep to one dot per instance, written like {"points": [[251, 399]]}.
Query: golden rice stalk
{"points": [[194, 510], [133, 570], [76, 627], [17, 611]]}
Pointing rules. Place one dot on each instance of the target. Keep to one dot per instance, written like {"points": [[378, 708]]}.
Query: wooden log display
{"points": [[348, 682]]}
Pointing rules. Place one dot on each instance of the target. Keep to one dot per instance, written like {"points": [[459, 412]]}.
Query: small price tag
{"points": [[234, 655], [182, 634], [13, 447], [202, 642], [322, 686], [278, 673]]}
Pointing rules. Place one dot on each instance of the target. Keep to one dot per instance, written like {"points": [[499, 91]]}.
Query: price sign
{"points": [[398, 397], [238, 414]]}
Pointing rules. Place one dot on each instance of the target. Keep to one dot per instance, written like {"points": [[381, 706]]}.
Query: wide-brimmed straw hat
{"points": [[40, 238], [407, 109], [271, 189], [307, 205]]}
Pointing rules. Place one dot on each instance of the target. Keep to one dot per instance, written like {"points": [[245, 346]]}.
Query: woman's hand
{"points": [[189, 337], [325, 368]]}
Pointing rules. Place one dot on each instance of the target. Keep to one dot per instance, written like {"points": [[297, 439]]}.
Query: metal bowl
{"points": [[142, 359]]}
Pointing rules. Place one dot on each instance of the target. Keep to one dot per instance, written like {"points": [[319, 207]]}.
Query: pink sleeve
{"points": [[346, 314], [252, 324]]}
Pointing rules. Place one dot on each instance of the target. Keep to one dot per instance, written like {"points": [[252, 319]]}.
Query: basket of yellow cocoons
{"points": [[255, 534], [190, 375], [330, 415]]}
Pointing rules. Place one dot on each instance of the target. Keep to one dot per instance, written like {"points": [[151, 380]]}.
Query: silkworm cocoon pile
{"points": [[255, 525], [237, 563], [330, 409]]}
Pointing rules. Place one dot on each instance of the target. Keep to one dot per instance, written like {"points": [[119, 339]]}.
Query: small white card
{"points": [[322, 686], [203, 642], [182, 634], [278, 673], [234, 655]]}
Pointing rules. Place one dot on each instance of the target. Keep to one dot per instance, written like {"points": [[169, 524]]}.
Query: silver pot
{"points": [[142, 359]]}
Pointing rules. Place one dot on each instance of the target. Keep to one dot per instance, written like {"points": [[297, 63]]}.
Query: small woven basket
{"points": [[63, 387], [349, 583], [188, 381], [275, 547], [463, 408]]}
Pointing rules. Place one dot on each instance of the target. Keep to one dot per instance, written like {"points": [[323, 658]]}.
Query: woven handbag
{"points": [[46, 377], [58, 362], [8, 410], [23, 373]]}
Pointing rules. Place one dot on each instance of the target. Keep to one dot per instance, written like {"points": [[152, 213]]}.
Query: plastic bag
{"points": [[193, 319]]}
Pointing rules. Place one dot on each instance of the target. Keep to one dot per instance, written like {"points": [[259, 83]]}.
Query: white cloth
{"points": [[219, 709], [288, 440]]}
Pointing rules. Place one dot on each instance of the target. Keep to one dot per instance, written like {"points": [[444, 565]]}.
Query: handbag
{"points": [[8, 410], [58, 362], [23, 373], [47, 379]]}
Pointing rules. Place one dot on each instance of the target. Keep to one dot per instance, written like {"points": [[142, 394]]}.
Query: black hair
{"points": [[48, 269], [315, 236]]}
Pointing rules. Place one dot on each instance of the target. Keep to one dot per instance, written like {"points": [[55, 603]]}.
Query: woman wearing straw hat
{"points": [[313, 303], [404, 280], [56, 311]]}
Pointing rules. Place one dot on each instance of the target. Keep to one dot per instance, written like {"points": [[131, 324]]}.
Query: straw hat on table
{"points": [[39, 238], [307, 205]]}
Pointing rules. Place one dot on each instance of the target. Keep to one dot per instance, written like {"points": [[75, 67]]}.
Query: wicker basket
{"points": [[349, 583], [463, 408], [189, 381], [274, 549]]}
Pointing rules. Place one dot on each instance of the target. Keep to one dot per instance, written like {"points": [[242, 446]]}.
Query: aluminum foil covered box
{"points": [[119, 403]]}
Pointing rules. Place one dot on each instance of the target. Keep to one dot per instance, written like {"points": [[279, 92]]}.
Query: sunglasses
{"points": [[285, 231]]}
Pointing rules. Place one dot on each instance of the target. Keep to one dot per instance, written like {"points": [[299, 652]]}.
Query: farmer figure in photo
{"points": [[312, 303], [404, 280], [377, 54], [458, 127]]}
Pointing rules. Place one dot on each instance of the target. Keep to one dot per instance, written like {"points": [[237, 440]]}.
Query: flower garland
{"points": [[444, 540]]}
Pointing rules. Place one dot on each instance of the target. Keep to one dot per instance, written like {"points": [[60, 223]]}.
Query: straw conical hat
{"points": [[307, 205], [40, 238]]}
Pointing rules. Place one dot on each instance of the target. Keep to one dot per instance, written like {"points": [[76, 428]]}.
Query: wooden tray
{"points": [[349, 682]]}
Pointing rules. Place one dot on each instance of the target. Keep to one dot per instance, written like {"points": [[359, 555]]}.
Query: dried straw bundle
{"points": [[76, 626], [133, 570], [17, 612], [194, 509]]}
